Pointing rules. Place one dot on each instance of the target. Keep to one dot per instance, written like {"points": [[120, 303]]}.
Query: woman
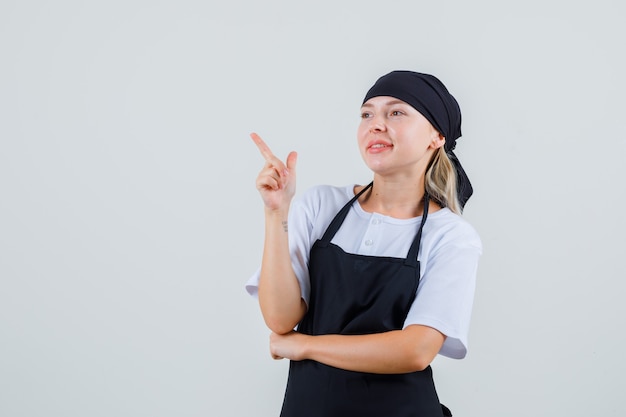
{"points": [[378, 279]]}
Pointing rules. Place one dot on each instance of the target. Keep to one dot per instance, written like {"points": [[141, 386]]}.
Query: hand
{"points": [[288, 346], [277, 180]]}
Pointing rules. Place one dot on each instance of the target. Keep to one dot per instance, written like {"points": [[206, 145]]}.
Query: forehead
{"points": [[384, 101]]}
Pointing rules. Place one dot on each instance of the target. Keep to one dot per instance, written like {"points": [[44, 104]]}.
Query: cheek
{"points": [[361, 139], [361, 132]]}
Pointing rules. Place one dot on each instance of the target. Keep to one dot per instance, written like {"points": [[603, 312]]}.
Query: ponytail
{"points": [[440, 181]]}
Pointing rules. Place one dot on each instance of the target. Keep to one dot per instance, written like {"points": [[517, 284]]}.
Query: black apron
{"points": [[350, 295]]}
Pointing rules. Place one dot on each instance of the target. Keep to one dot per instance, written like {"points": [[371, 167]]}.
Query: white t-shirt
{"points": [[448, 256]]}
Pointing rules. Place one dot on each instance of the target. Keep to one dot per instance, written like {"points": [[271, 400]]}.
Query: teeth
{"points": [[379, 145]]}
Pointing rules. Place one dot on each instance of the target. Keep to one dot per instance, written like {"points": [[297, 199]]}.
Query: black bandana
{"points": [[426, 94]]}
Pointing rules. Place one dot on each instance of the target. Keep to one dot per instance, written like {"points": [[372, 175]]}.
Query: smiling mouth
{"points": [[379, 146]]}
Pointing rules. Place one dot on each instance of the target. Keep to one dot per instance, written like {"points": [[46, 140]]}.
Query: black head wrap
{"points": [[431, 98]]}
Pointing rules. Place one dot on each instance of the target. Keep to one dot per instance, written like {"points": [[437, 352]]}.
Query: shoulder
{"points": [[445, 227], [312, 211], [333, 192], [317, 205], [322, 197]]}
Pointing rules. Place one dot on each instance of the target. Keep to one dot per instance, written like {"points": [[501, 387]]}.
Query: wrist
{"points": [[306, 346], [277, 214]]}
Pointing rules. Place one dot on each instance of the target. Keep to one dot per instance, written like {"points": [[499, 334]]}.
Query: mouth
{"points": [[378, 146]]}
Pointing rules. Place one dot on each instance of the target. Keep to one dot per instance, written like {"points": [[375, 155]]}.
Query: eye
{"points": [[396, 113], [365, 115]]}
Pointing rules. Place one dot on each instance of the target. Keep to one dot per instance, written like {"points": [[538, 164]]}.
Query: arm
{"points": [[397, 351], [279, 291]]}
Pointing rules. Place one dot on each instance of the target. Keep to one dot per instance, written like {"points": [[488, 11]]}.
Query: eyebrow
{"points": [[388, 103]]}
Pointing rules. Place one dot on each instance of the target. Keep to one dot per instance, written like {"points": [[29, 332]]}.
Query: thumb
{"points": [[291, 162]]}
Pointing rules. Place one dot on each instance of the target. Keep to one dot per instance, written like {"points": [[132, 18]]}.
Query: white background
{"points": [[129, 221]]}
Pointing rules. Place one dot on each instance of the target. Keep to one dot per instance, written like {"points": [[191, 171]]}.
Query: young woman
{"points": [[377, 279]]}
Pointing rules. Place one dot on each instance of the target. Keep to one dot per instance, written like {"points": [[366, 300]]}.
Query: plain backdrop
{"points": [[129, 220]]}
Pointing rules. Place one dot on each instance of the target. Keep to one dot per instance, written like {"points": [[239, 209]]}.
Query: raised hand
{"points": [[277, 180]]}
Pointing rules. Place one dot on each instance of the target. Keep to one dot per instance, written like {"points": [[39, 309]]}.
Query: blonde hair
{"points": [[440, 181]]}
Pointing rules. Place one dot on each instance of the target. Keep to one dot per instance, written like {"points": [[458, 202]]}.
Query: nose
{"points": [[377, 124]]}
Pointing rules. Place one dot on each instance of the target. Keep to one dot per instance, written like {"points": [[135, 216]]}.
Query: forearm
{"points": [[398, 351], [279, 290], [385, 353]]}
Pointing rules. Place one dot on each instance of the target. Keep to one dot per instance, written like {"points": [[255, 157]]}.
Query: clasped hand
{"points": [[288, 346]]}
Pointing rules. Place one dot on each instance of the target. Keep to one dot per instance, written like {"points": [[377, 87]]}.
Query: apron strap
{"points": [[411, 258], [340, 217], [335, 224]]}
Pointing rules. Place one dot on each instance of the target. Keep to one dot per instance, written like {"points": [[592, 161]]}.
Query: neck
{"points": [[402, 199]]}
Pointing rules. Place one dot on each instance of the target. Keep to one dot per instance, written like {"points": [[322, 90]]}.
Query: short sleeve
{"points": [[445, 293]]}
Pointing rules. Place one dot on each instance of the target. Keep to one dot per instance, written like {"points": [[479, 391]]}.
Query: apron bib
{"points": [[350, 295]]}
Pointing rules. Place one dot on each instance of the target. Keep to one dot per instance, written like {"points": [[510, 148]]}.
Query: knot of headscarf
{"points": [[426, 94]]}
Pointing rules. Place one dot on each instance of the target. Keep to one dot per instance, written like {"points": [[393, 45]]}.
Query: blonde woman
{"points": [[378, 279]]}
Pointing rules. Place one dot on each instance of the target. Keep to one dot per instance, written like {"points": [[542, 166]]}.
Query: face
{"points": [[395, 139]]}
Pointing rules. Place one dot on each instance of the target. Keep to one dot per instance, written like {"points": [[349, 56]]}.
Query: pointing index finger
{"points": [[263, 148]]}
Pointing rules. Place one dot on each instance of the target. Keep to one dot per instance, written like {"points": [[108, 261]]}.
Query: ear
{"points": [[438, 140]]}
